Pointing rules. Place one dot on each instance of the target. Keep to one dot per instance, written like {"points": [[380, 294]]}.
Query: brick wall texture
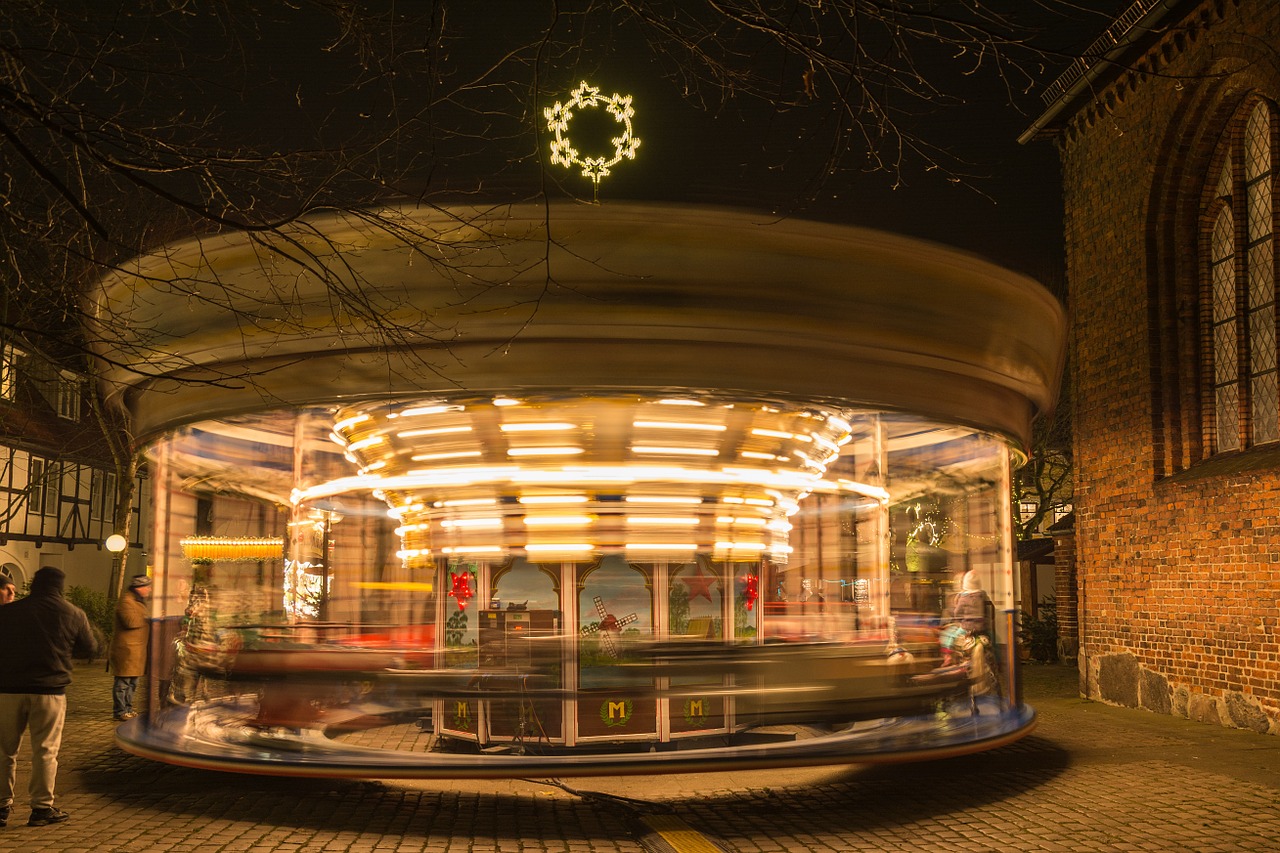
{"points": [[1178, 552]]}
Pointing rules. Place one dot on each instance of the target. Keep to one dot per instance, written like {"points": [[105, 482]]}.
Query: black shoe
{"points": [[4, 815], [44, 817]]}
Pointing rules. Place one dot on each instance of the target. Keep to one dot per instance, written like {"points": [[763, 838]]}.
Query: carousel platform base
{"points": [[220, 736]]}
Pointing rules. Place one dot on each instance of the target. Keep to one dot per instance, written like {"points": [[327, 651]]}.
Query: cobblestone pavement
{"points": [[1090, 777]]}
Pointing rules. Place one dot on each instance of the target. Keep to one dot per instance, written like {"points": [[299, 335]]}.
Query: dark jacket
{"points": [[39, 636]]}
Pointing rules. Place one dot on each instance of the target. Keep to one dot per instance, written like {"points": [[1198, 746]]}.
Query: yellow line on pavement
{"points": [[682, 837]]}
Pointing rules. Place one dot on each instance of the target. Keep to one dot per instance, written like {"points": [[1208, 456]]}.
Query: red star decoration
{"points": [[751, 590], [461, 589], [699, 584]]}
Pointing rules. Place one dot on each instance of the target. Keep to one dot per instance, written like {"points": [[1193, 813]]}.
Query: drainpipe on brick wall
{"points": [[1068, 590], [1083, 668]]}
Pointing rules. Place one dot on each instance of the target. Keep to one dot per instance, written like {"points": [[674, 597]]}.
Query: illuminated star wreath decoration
{"points": [[563, 152]]}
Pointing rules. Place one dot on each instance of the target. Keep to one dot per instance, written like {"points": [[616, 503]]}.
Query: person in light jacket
{"points": [[971, 606], [129, 645], [971, 610]]}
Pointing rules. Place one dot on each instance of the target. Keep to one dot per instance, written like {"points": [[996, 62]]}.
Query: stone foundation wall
{"points": [[1120, 679]]}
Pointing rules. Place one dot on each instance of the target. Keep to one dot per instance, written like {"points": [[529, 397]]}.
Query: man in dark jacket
{"points": [[40, 634]]}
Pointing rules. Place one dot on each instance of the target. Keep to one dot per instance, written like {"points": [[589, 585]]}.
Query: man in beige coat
{"points": [[129, 645]]}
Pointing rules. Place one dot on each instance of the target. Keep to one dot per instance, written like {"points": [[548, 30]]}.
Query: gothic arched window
{"points": [[1240, 285]]}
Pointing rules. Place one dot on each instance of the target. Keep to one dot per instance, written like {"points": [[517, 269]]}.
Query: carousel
{"points": [[581, 489]]}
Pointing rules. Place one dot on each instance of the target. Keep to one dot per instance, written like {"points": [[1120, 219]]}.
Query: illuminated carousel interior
{"points": [[587, 575]]}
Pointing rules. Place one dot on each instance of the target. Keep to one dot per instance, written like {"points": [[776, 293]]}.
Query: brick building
{"points": [[1169, 134]]}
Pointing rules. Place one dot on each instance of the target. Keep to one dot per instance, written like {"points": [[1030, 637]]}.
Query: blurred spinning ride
{"points": [[680, 458]]}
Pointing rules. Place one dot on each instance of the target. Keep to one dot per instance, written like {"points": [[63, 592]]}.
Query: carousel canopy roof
{"points": [[571, 298]]}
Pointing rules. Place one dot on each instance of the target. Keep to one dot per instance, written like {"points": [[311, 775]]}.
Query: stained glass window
{"points": [[1241, 289]]}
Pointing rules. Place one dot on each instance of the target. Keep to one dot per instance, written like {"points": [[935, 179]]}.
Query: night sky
{"points": [[453, 112], [998, 198]]}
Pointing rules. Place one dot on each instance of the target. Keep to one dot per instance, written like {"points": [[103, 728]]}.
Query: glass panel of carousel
{"points": [[279, 613], [950, 569], [615, 615], [460, 715], [521, 653], [696, 618], [219, 563], [357, 608]]}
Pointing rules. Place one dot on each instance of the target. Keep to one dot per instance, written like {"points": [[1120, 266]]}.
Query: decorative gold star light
{"points": [[563, 152]]}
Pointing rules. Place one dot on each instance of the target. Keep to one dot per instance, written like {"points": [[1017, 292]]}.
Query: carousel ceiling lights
{"points": [[441, 481]]}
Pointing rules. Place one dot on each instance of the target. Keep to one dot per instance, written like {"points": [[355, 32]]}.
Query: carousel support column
{"points": [[815, 582], [725, 581], [570, 630], [297, 553], [164, 592], [662, 631], [1009, 594], [879, 590], [1012, 664], [439, 584], [326, 557], [854, 571]]}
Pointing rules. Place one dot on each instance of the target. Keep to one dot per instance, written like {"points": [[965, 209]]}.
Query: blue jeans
{"points": [[122, 695]]}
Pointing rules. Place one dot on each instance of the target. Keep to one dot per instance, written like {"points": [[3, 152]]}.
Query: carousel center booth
{"points": [[575, 488]]}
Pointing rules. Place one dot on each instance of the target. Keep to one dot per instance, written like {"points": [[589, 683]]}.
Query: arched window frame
{"points": [[1242, 401]]}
